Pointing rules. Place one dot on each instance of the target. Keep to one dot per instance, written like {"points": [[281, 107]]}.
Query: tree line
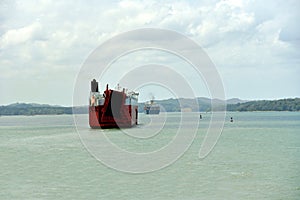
{"points": [[6, 110], [265, 105], [169, 105]]}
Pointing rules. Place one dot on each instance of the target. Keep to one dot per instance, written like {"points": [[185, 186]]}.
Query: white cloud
{"points": [[45, 39], [20, 35]]}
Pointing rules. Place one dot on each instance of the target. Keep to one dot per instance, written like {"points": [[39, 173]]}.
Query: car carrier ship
{"points": [[151, 107], [113, 108]]}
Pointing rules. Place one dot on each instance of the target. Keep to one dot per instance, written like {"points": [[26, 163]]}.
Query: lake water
{"points": [[256, 157]]}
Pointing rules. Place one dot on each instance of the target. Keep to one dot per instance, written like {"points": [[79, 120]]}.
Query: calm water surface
{"points": [[256, 157]]}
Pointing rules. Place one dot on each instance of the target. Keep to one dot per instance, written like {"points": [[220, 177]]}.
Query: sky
{"points": [[254, 45]]}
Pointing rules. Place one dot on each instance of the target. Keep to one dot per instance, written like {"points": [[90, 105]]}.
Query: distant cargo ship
{"points": [[151, 108], [112, 108]]}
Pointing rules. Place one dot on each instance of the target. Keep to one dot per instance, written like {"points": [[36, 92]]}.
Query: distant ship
{"points": [[151, 107], [112, 108]]}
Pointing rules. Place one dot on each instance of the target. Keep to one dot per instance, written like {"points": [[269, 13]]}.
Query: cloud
{"points": [[18, 36], [50, 40]]}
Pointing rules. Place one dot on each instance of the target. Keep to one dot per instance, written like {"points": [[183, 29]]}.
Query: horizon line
{"points": [[246, 100]]}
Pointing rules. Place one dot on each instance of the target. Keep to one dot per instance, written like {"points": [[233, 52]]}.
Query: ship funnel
{"points": [[94, 86]]}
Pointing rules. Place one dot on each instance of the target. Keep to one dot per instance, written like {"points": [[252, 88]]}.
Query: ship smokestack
{"points": [[94, 86]]}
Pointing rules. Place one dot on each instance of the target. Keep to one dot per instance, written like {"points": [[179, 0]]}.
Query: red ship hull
{"points": [[115, 111], [97, 118]]}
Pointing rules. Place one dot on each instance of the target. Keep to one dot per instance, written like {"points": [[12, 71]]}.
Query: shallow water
{"points": [[256, 157]]}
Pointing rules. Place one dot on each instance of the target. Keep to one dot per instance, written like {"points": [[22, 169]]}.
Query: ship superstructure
{"points": [[151, 107]]}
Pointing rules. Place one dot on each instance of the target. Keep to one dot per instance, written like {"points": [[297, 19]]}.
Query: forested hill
{"points": [[204, 105], [38, 109], [168, 105], [264, 105]]}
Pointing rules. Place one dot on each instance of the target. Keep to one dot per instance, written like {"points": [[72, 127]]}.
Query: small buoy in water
{"points": [[231, 119]]}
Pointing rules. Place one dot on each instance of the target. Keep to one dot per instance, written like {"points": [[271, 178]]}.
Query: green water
{"points": [[256, 157]]}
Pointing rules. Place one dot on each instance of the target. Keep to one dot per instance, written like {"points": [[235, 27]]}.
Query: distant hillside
{"points": [[29, 105], [33, 109], [204, 104], [235, 101], [39, 109], [168, 105], [264, 105], [201, 104]]}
